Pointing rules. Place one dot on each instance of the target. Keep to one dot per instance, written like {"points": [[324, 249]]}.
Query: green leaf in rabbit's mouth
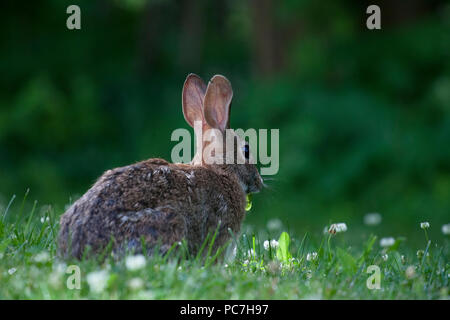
{"points": [[248, 206]]}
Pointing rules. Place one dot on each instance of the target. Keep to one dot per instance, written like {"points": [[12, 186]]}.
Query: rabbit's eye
{"points": [[246, 151]]}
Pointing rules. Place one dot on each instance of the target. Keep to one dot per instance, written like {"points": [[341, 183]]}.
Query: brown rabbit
{"points": [[161, 203]]}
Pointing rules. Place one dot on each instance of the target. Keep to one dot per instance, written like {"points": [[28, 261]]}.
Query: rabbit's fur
{"points": [[161, 203]]}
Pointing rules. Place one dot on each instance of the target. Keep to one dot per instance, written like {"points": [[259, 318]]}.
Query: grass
{"points": [[316, 266]]}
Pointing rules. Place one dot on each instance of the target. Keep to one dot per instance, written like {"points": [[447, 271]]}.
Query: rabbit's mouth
{"points": [[244, 187], [253, 188], [257, 186]]}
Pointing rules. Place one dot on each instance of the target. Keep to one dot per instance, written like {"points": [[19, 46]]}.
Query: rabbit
{"points": [[157, 203]]}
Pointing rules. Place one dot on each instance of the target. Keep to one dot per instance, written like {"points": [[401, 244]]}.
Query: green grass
{"points": [[30, 268]]}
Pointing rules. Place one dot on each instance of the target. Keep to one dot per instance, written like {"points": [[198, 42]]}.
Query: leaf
{"points": [[248, 205], [283, 253], [396, 261], [367, 249], [348, 262]]}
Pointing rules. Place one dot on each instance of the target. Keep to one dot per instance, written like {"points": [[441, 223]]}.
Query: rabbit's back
{"points": [[155, 202]]}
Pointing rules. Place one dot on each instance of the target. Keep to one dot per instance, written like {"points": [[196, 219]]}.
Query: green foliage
{"points": [[348, 262], [364, 116], [368, 247], [31, 269], [283, 253]]}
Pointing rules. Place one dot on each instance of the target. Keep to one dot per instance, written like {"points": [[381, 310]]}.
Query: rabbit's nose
{"points": [[261, 183]]}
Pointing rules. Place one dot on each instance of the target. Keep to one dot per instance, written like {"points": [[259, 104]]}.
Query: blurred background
{"points": [[364, 116]]}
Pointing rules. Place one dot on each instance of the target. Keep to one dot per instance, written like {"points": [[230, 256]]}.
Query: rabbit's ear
{"points": [[192, 99], [218, 102]]}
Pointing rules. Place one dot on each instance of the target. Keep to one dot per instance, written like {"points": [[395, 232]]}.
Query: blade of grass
{"points": [[30, 217], [19, 218], [8, 206]]}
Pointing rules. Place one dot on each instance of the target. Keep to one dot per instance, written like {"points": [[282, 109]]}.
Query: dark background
{"points": [[364, 116]]}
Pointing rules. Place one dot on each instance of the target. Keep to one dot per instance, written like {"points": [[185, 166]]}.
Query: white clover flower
{"points": [[45, 219], [134, 263], [385, 257], [446, 229], [42, 257], [55, 280], [424, 225], [58, 270], [251, 253], [274, 243], [270, 244], [337, 228], [59, 267], [372, 219], [311, 256], [420, 254], [410, 272], [97, 280], [387, 242], [12, 271], [135, 283], [274, 224]]}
